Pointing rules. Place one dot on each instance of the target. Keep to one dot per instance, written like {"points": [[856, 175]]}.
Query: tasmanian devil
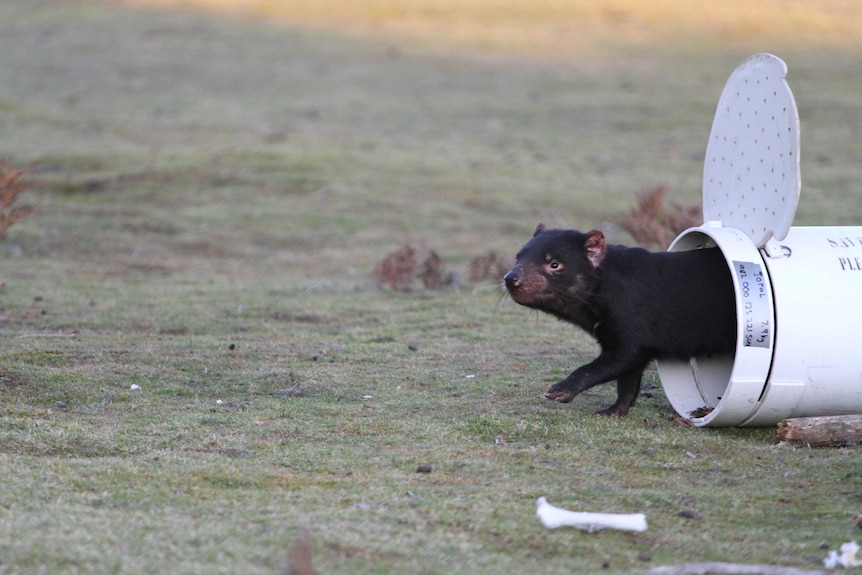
{"points": [[639, 305]]}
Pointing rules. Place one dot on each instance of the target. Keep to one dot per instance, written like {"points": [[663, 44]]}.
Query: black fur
{"points": [[639, 305]]}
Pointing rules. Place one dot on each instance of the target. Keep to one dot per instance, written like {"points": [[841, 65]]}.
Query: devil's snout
{"points": [[513, 278]]}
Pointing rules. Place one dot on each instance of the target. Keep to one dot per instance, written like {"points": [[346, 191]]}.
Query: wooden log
{"points": [[832, 431], [717, 568]]}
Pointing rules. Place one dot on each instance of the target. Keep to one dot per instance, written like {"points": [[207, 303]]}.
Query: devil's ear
{"points": [[594, 247], [539, 229]]}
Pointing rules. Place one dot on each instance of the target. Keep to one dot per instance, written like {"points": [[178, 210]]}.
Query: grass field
{"points": [[214, 190]]}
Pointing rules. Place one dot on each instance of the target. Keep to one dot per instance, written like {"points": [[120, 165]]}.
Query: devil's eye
{"points": [[554, 265]]}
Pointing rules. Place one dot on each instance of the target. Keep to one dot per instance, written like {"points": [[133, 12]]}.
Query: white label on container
{"points": [[756, 321]]}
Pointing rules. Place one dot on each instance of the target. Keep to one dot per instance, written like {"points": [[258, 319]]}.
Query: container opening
{"points": [[724, 388]]}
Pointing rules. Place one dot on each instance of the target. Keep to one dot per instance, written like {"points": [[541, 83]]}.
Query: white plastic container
{"points": [[798, 290]]}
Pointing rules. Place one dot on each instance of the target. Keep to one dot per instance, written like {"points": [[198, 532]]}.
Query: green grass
{"points": [[213, 195]]}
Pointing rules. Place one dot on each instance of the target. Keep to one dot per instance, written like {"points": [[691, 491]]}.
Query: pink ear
{"points": [[594, 247], [539, 229]]}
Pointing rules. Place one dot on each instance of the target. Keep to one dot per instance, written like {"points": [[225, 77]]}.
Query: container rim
{"points": [[725, 390]]}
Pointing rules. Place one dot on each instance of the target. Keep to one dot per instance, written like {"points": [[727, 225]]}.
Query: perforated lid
{"points": [[751, 171]]}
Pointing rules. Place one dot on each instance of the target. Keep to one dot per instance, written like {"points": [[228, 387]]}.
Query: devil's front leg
{"points": [[628, 388], [610, 365]]}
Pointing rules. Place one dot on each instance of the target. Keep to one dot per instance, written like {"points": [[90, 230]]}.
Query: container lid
{"points": [[751, 172]]}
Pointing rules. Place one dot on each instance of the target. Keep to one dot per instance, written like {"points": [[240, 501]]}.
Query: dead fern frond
{"points": [[401, 271], [396, 269], [684, 217], [11, 187], [433, 273], [487, 267], [651, 226], [651, 201]]}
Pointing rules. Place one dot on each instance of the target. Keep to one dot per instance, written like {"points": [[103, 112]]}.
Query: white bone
{"points": [[846, 559], [553, 517]]}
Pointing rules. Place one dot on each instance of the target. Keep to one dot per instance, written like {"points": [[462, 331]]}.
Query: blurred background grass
{"points": [[572, 28]]}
